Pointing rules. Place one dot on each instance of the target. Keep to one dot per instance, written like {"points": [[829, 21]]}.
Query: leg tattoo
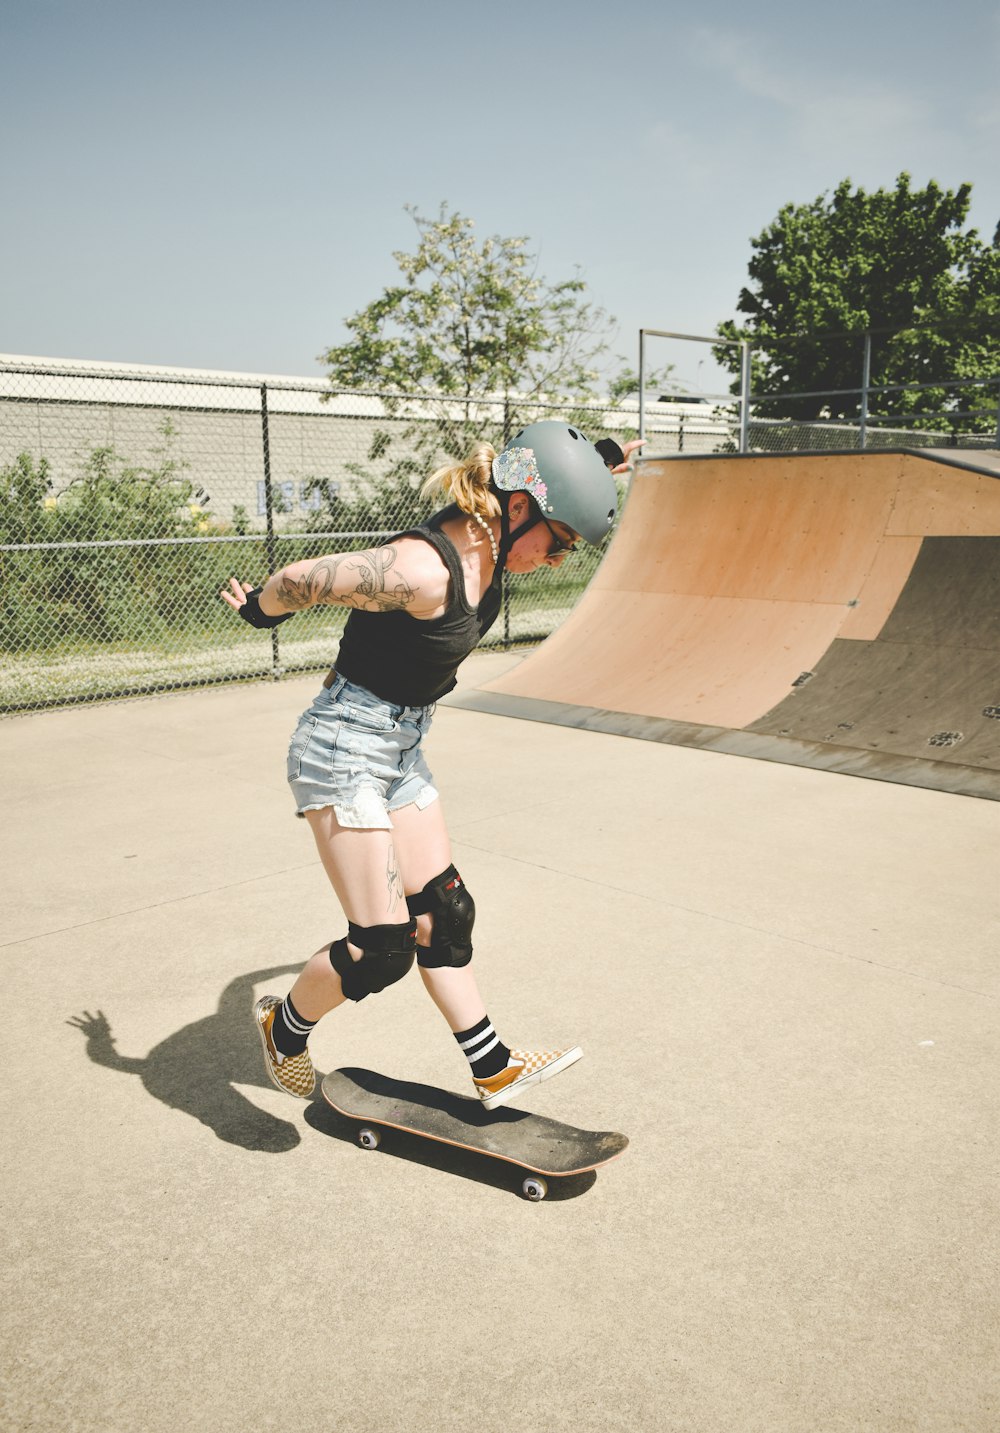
{"points": [[393, 880]]}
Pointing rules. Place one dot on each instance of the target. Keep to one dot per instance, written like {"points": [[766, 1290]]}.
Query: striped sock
{"points": [[484, 1049], [290, 1031]]}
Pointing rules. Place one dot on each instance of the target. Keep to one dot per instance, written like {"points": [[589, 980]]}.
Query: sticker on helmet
{"points": [[516, 470]]}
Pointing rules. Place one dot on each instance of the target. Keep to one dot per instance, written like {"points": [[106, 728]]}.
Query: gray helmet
{"points": [[555, 464]]}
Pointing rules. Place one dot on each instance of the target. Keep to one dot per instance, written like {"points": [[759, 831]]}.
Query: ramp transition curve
{"points": [[839, 611]]}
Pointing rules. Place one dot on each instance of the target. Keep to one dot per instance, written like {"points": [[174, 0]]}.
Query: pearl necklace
{"points": [[489, 533]]}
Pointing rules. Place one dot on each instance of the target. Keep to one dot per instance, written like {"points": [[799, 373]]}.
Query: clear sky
{"points": [[219, 183]]}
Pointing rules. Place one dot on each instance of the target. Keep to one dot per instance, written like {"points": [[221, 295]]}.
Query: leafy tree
{"points": [[470, 319], [625, 384], [481, 337], [897, 262]]}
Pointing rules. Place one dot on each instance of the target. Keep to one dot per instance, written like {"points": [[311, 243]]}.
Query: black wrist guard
{"points": [[610, 452], [250, 611]]}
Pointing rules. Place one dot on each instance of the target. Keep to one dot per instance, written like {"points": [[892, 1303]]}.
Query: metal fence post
{"points": [[866, 378], [745, 352], [505, 579], [270, 546], [642, 382]]}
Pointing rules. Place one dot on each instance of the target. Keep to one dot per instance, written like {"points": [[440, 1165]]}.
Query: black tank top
{"points": [[411, 662]]}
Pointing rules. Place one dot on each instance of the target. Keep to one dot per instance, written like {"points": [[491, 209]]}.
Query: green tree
{"points": [[895, 261], [472, 318], [481, 338], [625, 384]]}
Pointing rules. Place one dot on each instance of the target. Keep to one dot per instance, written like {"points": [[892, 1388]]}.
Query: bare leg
{"points": [[370, 870], [363, 870], [424, 852], [456, 995]]}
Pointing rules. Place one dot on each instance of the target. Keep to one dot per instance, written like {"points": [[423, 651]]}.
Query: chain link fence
{"points": [[129, 498], [871, 434], [955, 413], [719, 432]]}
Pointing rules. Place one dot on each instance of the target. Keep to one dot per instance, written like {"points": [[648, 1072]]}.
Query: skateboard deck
{"points": [[545, 1147]]}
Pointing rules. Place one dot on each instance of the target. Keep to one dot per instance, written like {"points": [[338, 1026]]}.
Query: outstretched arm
{"points": [[374, 581], [616, 458], [381, 579], [631, 447]]}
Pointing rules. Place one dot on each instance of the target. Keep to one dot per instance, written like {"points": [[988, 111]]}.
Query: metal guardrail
{"points": [[744, 400]]}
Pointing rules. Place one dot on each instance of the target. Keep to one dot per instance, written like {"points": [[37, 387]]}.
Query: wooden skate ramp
{"points": [[839, 611]]}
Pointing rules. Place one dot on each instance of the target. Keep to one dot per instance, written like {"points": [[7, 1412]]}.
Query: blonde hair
{"points": [[467, 483]]}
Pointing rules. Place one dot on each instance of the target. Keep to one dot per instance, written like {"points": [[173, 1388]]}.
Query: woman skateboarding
{"points": [[419, 605]]}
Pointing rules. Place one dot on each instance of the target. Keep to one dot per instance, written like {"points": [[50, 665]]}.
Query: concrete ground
{"points": [[786, 986]]}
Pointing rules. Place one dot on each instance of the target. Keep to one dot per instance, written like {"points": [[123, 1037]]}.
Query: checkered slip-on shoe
{"points": [[294, 1073], [524, 1068]]}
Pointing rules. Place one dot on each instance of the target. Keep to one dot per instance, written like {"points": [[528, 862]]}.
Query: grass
{"points": [[79, 670]]}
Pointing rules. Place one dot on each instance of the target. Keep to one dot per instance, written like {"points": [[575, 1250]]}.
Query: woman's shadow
{"points": [[195, 1069]]}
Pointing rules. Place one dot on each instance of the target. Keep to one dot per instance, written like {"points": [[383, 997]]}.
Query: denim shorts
{"points": [[360, 755]]}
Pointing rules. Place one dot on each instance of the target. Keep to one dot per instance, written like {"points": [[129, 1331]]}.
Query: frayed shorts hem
{"points": [[363, 814], [361, 756]]}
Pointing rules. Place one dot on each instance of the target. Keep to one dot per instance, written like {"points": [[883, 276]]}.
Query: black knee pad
{"points": [[454, 911], [389, 951]]}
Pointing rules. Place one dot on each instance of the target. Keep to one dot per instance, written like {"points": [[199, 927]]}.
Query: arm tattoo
{"points": [[393, 880], [377, 588]]}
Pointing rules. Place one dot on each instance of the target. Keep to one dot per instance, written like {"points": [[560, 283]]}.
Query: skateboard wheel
{"points": [[535, 1189], [368, 1138]]}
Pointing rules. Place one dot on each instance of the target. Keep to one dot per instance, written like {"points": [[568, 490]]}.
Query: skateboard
{"points": [[544, 1147]]}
